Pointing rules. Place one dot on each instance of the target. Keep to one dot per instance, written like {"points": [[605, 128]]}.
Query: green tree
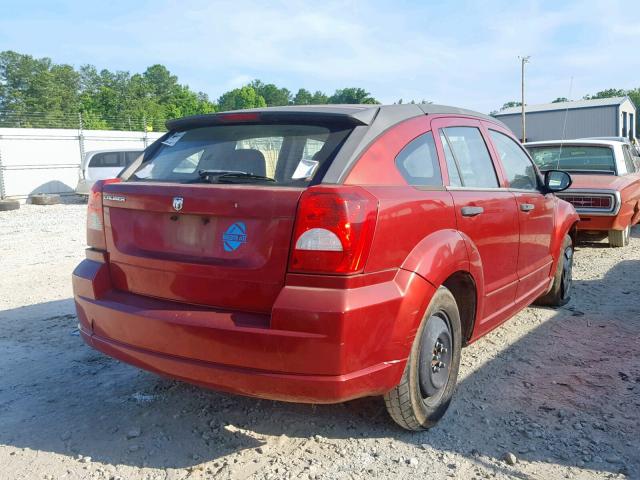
{"points": [[608, 93], [560, 99], [510, 105], [273, 96], [352, 95], [239, 98], [319, 98], [36, 92], [303, 97]]}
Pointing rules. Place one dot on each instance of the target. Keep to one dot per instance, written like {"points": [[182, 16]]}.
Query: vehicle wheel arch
{"points": [[462, 286], [449, 258]]}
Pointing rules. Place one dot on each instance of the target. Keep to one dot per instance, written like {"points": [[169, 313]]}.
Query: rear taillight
{"points": [[590, 202], [334, 229], [95, 217]]}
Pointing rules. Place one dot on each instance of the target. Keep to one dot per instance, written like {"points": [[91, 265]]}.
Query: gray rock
{"points": [[134, 433], [412, 462], [509, 458]]}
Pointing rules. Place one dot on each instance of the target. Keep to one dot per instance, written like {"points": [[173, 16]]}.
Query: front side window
{"points": [[519, 169], [280, 154], [574, 158], [418, 162], [471, 156], [452, 168]]}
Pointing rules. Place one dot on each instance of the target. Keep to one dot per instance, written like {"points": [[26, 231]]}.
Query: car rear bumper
{"points": [[604, 223], [318, 345]]}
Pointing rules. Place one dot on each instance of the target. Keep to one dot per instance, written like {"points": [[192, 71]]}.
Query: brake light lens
{"points": [[95, 216], [239, 117], [334, 230]]}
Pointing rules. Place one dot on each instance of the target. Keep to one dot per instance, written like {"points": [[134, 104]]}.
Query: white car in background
{"points": [[103, 164]]}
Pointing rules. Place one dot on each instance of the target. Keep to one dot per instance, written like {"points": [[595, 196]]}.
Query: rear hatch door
{"points": [[218, 245]]}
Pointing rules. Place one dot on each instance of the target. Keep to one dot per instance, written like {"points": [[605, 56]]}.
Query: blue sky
{"points": [[458, 53]]}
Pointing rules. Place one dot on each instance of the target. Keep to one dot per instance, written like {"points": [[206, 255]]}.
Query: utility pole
{"points": [[523, 60]]}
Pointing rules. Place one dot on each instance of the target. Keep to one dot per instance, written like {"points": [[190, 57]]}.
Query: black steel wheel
{"points": [[423, 395], [560, 292], [435, 357]]}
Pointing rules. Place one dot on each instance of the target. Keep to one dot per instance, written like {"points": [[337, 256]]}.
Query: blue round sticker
{"points": [[235, 236]]}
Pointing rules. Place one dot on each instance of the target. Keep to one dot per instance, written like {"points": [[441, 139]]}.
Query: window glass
{"points": [[519, 169], [189, 164], [628, 160], [454, 174], [106, 159], [268, 146], [289, 154], [574, 158], [130, 157], [418, 162], [473, 159]]}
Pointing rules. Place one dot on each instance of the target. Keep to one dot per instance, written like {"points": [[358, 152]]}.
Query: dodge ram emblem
{"points": [[177, 203]]}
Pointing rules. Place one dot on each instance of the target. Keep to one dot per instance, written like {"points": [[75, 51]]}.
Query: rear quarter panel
{"points": [[629, 213], [406, 214]]}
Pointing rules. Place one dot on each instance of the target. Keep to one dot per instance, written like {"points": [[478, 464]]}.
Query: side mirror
{"points": [[556, 180]]}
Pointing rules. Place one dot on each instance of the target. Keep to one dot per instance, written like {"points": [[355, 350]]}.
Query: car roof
{"points": [[368, 121], [357, 114]]}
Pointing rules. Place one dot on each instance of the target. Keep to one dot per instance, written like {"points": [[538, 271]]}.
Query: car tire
{"points": [[619, 238], [560, 292], [429, 379], [6, 205], [45, 199]]}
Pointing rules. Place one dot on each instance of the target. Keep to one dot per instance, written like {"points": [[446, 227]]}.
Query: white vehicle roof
{"points": [[577, 141], [108, 150]]}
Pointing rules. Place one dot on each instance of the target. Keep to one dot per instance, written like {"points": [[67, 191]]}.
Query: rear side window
{"points": [[628, 159], [130, 157], [519, 169], [473, 164], [418, 162], [280, 154], [106, 160]]}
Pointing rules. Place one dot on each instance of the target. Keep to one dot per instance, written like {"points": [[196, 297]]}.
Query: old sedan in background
{"points": [[606, 183]]}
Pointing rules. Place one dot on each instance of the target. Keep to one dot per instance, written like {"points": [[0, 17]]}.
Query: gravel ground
{"points": [[551, 394]]}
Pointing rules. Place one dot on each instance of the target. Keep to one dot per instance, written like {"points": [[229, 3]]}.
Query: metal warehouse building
{"points": [[603, 117]]}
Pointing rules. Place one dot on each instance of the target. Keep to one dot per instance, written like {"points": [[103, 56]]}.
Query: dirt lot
{"points": [[560, 389]]}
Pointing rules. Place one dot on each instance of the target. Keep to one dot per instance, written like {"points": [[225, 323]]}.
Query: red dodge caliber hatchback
{"points": [[320, 254]]}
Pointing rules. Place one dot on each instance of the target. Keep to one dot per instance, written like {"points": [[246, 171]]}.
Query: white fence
{"points": [[38, 160]]}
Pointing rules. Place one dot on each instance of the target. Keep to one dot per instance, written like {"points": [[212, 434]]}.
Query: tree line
{"points": [[36, 92]]}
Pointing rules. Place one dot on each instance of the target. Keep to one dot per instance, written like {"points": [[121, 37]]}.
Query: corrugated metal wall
{"points": [[34, 160], [581, 122]]}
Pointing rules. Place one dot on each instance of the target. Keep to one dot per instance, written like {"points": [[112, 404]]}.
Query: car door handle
{"points": [[527, 207], [471, 211]]}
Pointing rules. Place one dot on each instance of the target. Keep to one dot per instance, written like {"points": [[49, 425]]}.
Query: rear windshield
{"points": [[574, 158], [282, 154]]}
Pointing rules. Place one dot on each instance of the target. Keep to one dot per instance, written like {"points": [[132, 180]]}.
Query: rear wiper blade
{"points": [[210, 176], [231, 177]]}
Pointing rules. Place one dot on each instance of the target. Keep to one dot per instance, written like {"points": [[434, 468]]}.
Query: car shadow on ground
{"points": [[565, 393]]}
